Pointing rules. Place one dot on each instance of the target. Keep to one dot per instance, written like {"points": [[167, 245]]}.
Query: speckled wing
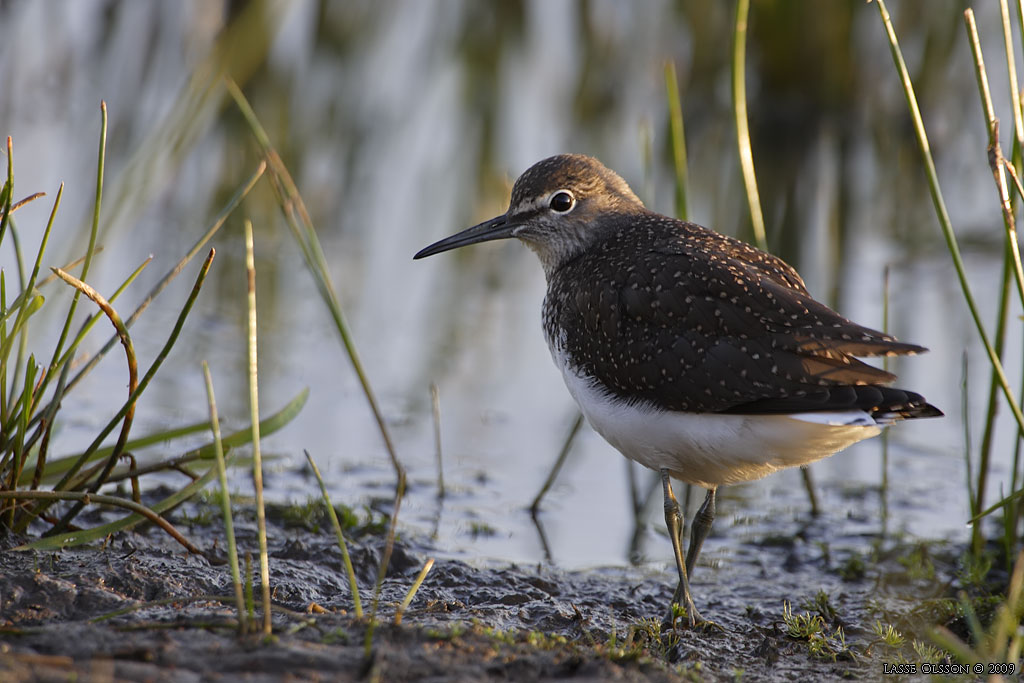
{"points": [[695, 321]]}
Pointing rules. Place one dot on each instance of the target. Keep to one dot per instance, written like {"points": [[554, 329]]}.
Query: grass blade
{"points": [[158, 361], [412, 591], [8, 191], [90, 249], [28, 289], [243, 436], [87, 498], [133, 375], [559, 461], [225, 501], [254, 408], [943, 215], [739, 101], [357, 603], [678, 139], [995, 154], [1011, 72], [291, 203], [76, 538], [435, 409], [173, 272], [999, 168]]}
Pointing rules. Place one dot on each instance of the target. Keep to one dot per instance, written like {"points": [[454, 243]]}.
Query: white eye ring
{"points": [[562, 201]]}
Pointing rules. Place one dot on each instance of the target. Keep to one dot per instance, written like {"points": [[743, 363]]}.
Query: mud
{"points": [[467, 622]]}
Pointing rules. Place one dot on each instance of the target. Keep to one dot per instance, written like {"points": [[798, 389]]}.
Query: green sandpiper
{"points": [[690, 352]]}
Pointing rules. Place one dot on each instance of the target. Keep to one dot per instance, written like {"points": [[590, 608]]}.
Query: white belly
{"points": [[712, 449]]}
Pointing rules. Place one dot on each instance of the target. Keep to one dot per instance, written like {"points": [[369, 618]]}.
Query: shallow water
{"points": [[403, 122]]}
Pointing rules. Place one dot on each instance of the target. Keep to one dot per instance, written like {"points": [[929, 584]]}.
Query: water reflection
{"points": [[403, 121]]}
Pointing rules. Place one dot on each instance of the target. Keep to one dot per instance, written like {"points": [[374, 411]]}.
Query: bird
{"points": [[692, 353]]}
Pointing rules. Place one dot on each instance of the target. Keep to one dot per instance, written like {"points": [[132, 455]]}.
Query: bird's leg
{"points": [[674, 522], [699, 529]]}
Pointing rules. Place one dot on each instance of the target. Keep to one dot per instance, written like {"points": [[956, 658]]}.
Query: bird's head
{"points": [[559, 207]]}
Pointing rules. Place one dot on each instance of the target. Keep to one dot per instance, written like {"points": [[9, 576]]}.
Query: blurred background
{"points": [[403, 121]]}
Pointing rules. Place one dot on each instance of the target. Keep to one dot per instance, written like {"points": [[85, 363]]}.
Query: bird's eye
{"points": [[562, 201]]}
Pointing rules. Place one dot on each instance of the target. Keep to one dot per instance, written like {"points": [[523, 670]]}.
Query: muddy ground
{"points": [[467, 622]]}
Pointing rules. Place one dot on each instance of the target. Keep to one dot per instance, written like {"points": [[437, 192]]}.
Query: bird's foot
{"points": [[679, 617]]}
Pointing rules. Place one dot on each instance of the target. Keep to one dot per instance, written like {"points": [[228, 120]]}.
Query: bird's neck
{"points": [[557, 250]]}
